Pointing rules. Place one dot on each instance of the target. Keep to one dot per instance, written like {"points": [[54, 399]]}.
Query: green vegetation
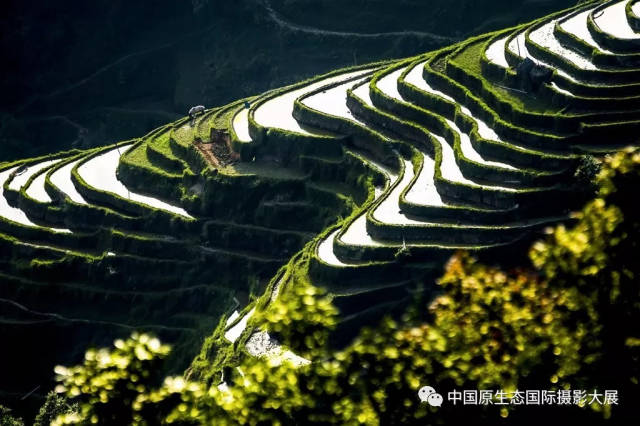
{"points": [[54, 406], [266, 240], [302, 318], [552, 325], [6, 419]]}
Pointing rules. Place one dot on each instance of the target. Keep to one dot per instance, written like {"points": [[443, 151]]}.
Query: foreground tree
{"points": [[6, 419], [54, 406], [107, 384]]}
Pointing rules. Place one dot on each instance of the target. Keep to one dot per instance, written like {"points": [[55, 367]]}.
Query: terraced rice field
{"points": [[360, 180]]}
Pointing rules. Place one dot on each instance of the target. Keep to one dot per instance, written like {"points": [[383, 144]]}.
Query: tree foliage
{"points": [[55, 405], [108, 382], [7, 419], [301, 317]]}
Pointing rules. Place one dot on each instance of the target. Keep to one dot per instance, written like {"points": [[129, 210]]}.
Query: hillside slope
{"points": [[159, 61], [363, 180]]}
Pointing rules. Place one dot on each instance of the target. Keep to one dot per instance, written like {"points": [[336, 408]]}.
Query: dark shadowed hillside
{"points": [[80, 74]]}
